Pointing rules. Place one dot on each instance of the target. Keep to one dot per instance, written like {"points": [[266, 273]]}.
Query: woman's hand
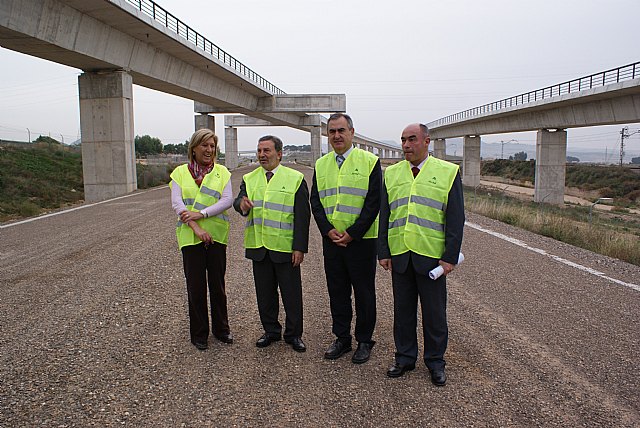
{"points": [[202, 234], [187, 216]]}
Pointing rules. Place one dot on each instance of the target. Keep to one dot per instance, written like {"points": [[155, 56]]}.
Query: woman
{"points": [[200, 195]]}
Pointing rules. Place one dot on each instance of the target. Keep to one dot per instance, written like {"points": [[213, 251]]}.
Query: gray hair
{"points": [[336, 116]]}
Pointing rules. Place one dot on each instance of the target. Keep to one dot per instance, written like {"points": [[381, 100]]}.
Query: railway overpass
{"points": [[118, 43], [605, 98]]}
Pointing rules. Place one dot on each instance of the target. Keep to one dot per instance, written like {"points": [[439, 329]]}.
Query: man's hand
{"points": [[246, 205], [385, 263], [296, 258], [334, 235], [448, 267], [344, 240]]}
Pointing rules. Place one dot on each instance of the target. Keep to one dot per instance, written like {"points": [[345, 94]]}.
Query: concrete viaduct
{"points": [[606, 98], [118, 43]]}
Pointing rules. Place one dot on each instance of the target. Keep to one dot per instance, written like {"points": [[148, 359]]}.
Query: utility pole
{"points": [[502, 146], [623, 134]]}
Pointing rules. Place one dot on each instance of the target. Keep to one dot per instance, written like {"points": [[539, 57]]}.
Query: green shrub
{"points": [[28, 209]]}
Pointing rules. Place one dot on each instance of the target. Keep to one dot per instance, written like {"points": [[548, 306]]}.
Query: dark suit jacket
{"points": [[301, 218], [454, 225], [362, 224]]}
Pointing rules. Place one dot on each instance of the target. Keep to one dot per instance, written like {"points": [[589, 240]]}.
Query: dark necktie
{"points": [[415, 170], [269, 175], [339, 159]]}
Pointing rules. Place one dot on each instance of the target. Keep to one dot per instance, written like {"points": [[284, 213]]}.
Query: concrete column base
{"points": [[231, 160], [551, 160], [106, 122], [316, 143], [440, 148], [471, 161], [205, 121]]}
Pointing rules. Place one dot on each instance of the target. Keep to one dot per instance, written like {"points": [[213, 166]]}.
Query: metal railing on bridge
{"points": [[603, 78], [165, 18]]}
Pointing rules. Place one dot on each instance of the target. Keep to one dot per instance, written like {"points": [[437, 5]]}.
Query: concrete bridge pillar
{"points": [[106, 122], [440, 148], [205, 120], [231, 147], [551, 159], [471, 161], [316, 143]]}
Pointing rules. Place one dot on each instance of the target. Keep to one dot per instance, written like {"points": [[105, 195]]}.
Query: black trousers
{"points": [[407, 288], [347, 268], [268, 277], [205, 266]]}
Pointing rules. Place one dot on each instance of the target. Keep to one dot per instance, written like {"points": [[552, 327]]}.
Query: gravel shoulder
{"points": [[94, 332]]}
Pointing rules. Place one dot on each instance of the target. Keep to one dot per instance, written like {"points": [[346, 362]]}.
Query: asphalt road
{"points": [[94, 332]]}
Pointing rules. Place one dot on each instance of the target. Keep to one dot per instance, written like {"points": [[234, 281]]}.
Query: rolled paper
{"points": [[437, 272]]}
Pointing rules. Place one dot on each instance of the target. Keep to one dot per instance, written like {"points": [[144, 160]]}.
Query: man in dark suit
{"points": [[345, 201], [275, 199], [421, 225]]}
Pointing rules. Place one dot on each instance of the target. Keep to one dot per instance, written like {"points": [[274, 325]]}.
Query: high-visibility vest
{"points": [[417, 207], [270, 221], [198, 198], [342, 190]]}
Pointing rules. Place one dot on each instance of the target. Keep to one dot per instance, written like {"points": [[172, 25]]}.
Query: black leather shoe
{"points": [[201, 345], [337, 349], [266, 340], [225, 338], [363, 352], [296, 343], [397, 370], [438, 377]]}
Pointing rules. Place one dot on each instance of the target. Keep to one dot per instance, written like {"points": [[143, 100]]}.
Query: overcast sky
{"points": [[398, 62]]}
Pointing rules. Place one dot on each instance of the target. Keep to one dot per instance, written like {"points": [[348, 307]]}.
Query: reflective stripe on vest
{"points": [[417, 207], [342, 191], [198, 198], [270, 221]]}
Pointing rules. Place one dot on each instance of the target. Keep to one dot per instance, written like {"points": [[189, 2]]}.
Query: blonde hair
{"points": [[199, 137]]}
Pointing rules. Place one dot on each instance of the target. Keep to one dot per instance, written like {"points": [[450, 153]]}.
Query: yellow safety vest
{"points": [[270, 221], [198, 198], [342, 190], [417, 207]]}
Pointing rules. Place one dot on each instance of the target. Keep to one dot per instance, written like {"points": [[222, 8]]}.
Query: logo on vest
{"points": [[432, 180]]}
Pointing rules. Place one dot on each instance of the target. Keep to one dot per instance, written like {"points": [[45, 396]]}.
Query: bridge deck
{"points": [[94, 332]]}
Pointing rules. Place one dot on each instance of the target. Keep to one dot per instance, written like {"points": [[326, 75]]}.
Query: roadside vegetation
{"points": [[614, 235], [38, 176], [45, 175], [620, 183]]}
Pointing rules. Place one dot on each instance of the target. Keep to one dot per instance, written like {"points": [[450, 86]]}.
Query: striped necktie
{"points": [[339, 160]]}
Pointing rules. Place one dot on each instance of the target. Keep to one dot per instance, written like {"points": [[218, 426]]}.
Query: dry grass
{"points": [[604, 235]]}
